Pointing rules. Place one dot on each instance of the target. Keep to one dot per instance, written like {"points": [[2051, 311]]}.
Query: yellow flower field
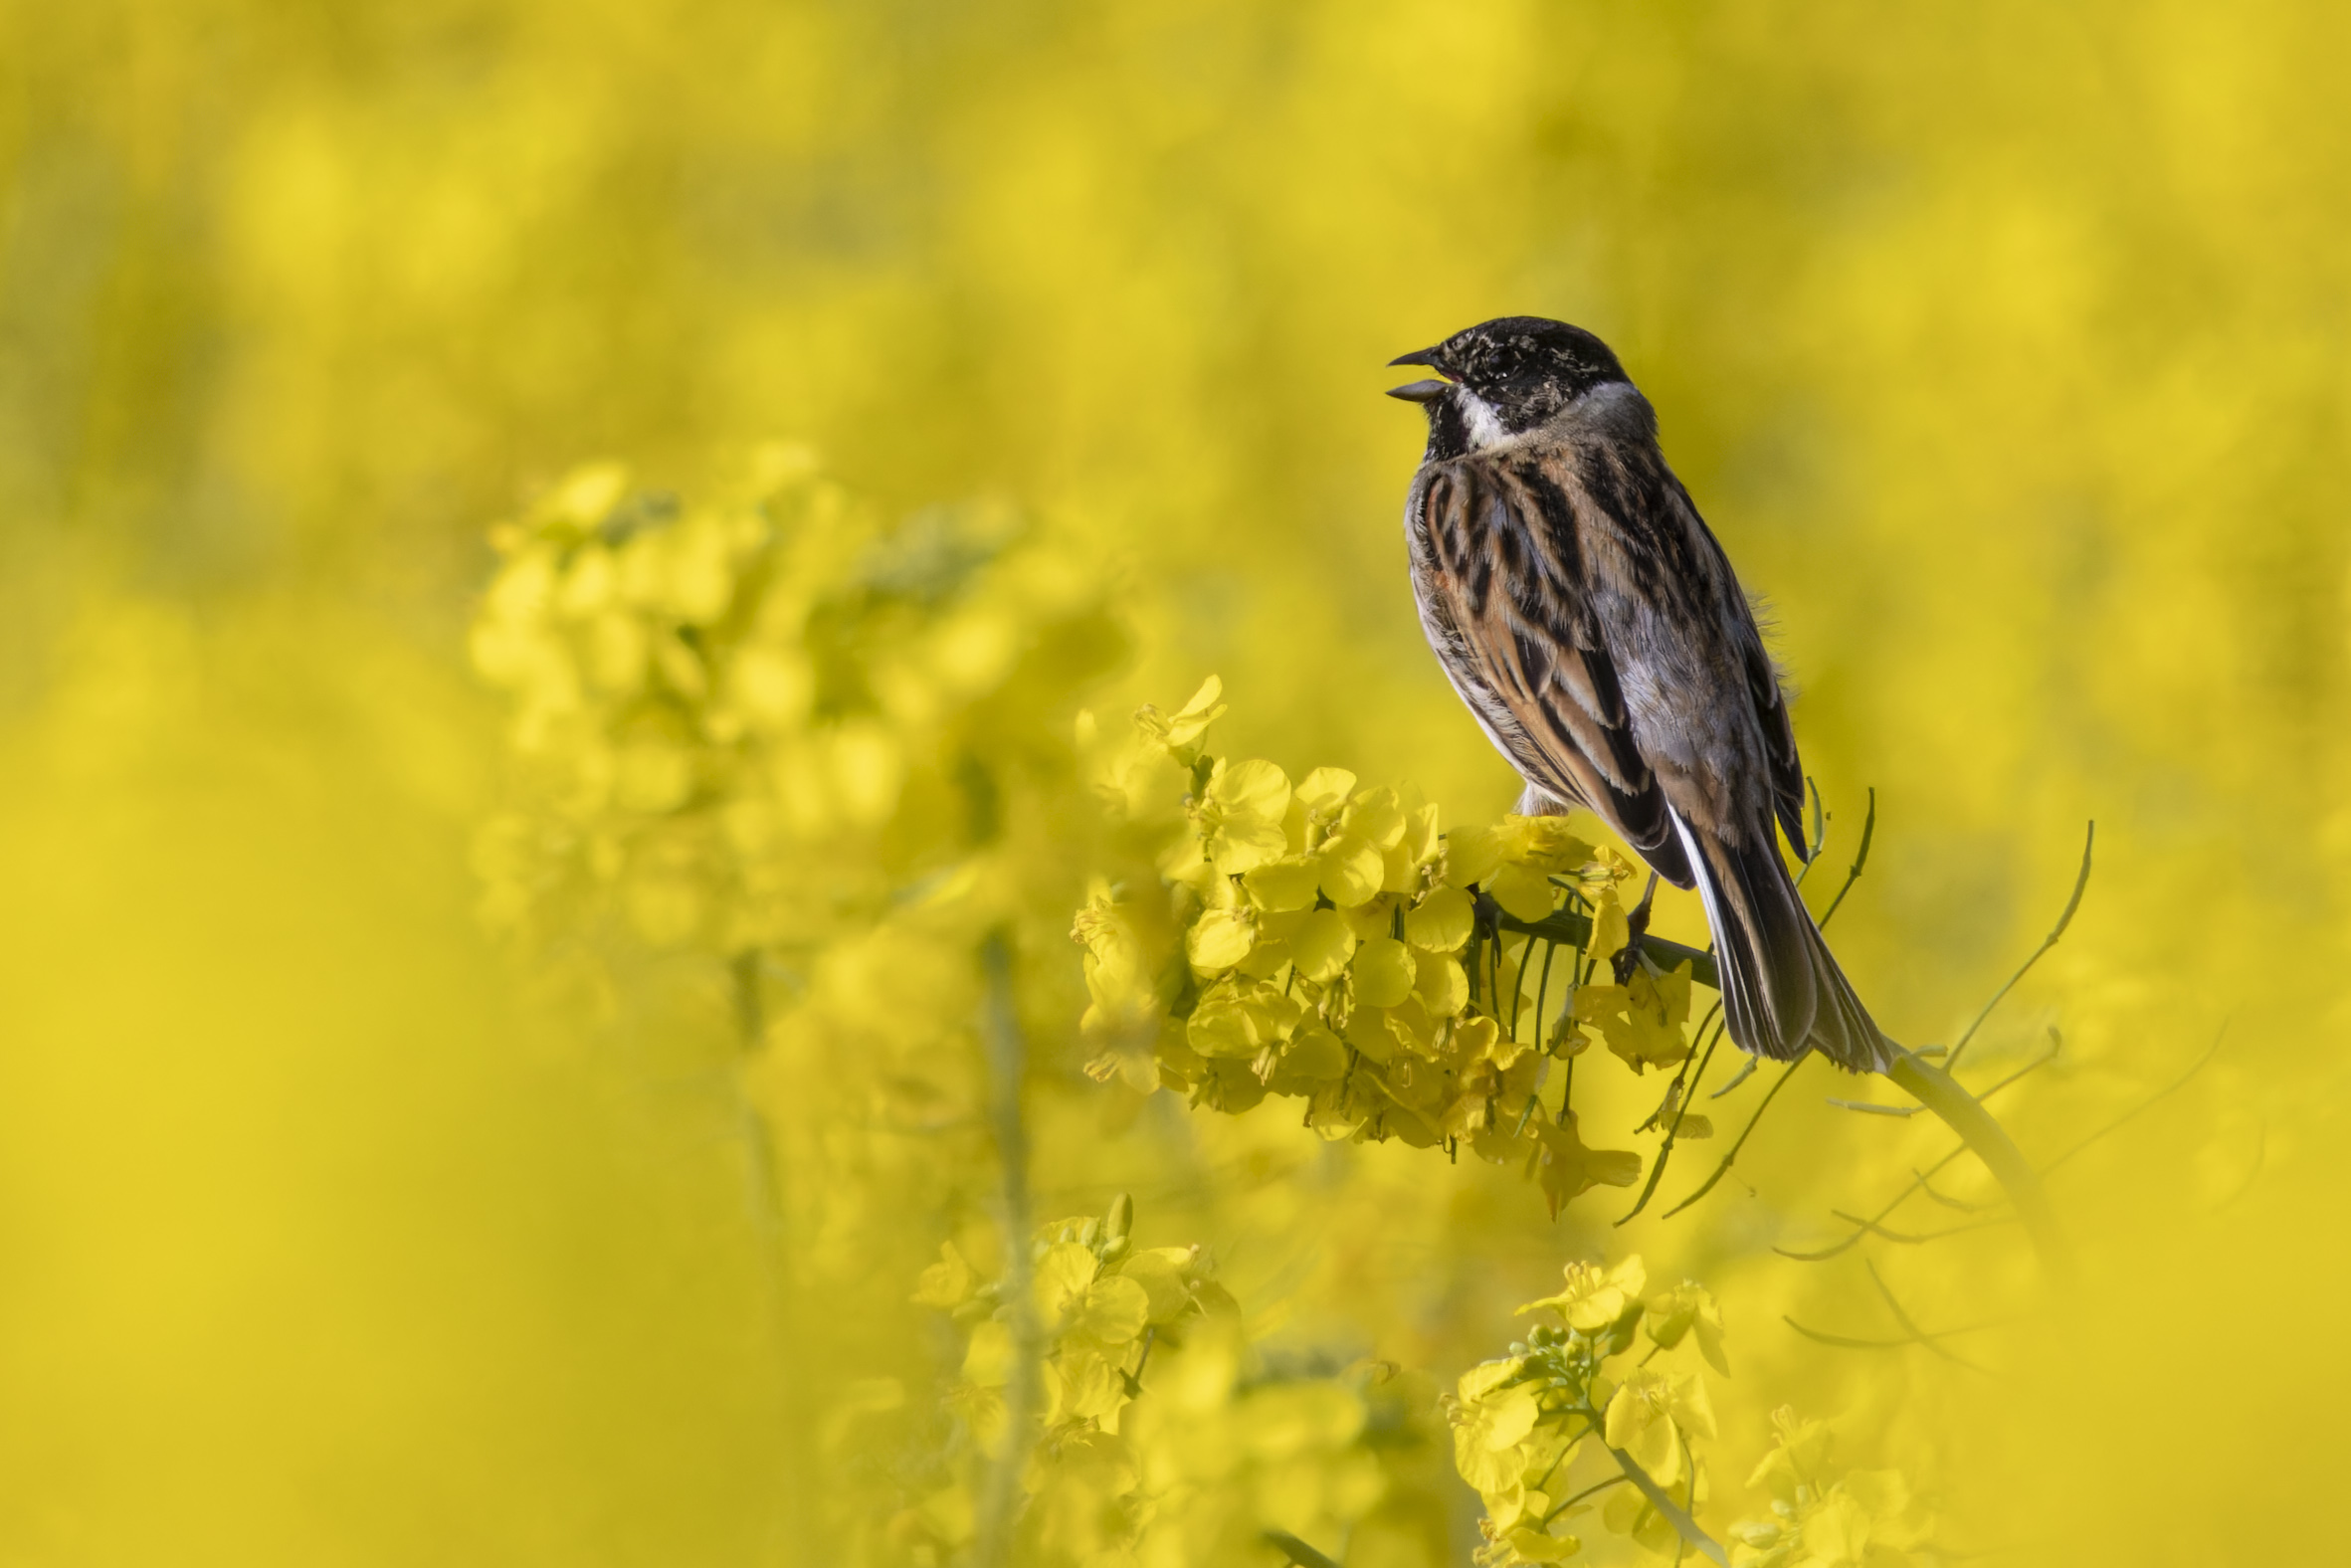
{"points": [[728, 841]]}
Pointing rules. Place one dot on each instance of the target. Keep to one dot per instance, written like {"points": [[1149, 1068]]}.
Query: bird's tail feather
{"points": [[1782, 990]]}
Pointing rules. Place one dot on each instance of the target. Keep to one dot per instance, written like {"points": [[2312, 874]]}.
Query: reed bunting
{"points": [[1593, 627]]}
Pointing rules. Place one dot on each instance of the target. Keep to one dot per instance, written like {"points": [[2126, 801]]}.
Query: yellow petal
{"points": [[1533, 1546], [1510, 1416], [1440, 923], [948, 1282], [1471, 855], [1219, 1026], [1321, 947], [1485, 1375], [1610, 929], [1441, 983], [1242, 841], [1255, 788], [1220, 939], [1325, 789], [1376, 817], [1185, 727], [1113, 1313], [1375, 917], [1352, 870], [1063, 1274], [1421, 843], [1163, 1272], [1384, 972], [1313, 1057], [1283, 885], [1691, 1406], [1524, 892]]}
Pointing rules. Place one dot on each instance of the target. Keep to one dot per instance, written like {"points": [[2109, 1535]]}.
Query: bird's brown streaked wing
{"points": [[1523, 635], [1771, 718], [1778, 742]]}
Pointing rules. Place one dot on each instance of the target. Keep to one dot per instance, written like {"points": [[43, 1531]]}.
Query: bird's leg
{"points": [[1637, 927]]}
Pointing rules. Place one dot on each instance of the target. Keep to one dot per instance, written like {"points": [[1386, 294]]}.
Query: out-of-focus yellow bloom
{"points": [[1183, 730], [1489, 1422], [1825, 1517], [1594, 1297], [1149, 1446], [1653, 1414], [1687, 1307]]}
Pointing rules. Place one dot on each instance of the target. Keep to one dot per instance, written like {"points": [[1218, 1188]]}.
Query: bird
{"points": [[1592, 623]]}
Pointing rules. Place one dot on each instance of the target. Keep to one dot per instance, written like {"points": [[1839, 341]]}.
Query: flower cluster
{"points": [[1824, 1518], [1561, 1429], [1324, 940], [1156, 1441], [775, 748], [1521, 1423], [740, 723]]}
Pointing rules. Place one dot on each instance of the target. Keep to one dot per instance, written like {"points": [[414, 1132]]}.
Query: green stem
{"points": [[1657, 1171], [1575, 930], [1007, 1054], [1298, 1552], [1723, 1169], [1668, 1509], [2089, 842], [764, 1173]]}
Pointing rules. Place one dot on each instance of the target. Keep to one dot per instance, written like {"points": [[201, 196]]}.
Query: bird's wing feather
{"points": [[1773, 721], [1503, 581], [1779, 737]]}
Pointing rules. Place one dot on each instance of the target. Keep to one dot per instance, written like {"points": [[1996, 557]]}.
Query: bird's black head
{"points": [[1509, 376]]}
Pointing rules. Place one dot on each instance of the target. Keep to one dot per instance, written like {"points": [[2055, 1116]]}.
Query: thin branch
{"points": [[1518, 993], [1946, 1200], [1543, 996], [1746, 1071], [1861, 859], [1907, 1239], [1574, 929], [1680, 1109], [2174, 1088], [1692, 1470], [1847, 1342], [1135, 1379], [1965, 1114], [1820, 832], [1723, 1169], [1672, 1512], [1298, 1552], [1839, 1249], [1919, 1181], [2080, 883], [1902, 1318], [1526, 1116], [1636, 927], [1596, 1487], [1493, 973], [1839, 1341], [2034, 1066], [1876, 1110]]}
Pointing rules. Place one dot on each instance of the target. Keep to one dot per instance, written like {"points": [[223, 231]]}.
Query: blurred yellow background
{"points": [[2005, 347]]}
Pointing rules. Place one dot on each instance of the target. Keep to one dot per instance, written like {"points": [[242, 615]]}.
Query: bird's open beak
{"points": [[1420, 391]]}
